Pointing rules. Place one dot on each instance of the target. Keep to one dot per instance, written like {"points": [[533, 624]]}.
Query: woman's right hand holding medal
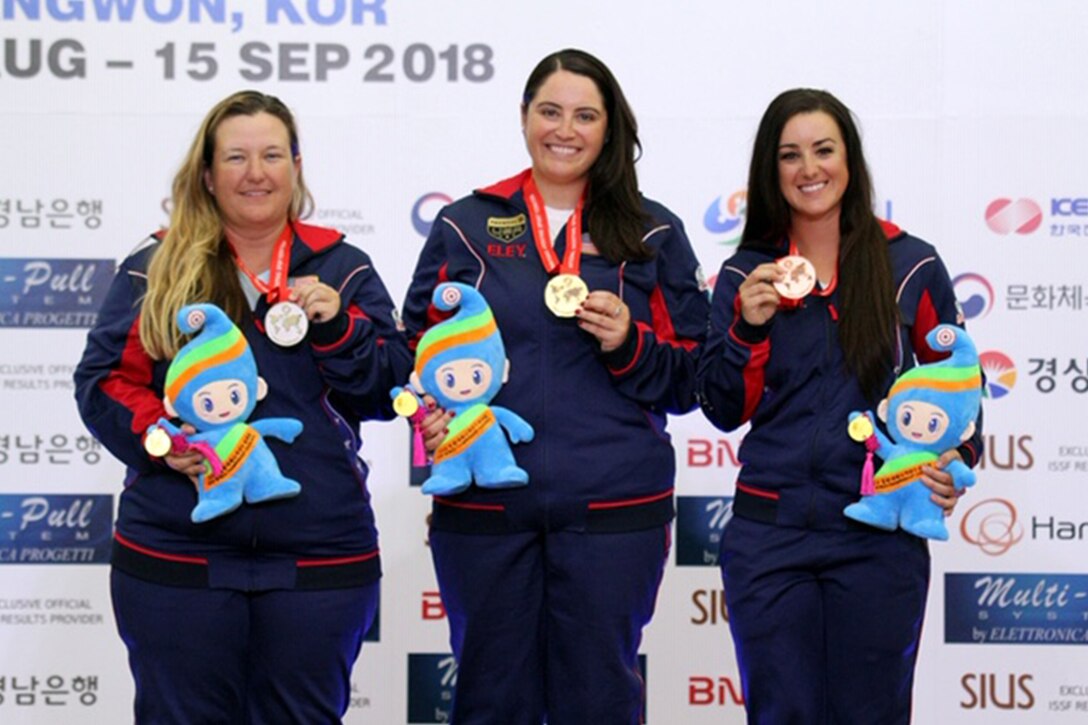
{"points": [[318, 300], [759, 299]]}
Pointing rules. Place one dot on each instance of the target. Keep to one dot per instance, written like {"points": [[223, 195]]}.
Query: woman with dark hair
{"points": [[256, 615], [826, 613], [548, 586]]}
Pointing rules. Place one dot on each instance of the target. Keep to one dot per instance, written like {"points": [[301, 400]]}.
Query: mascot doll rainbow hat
{"points": [[953, 384], [930, 409], [462, 363], [212, 384], [471, 331], [219, 352]]}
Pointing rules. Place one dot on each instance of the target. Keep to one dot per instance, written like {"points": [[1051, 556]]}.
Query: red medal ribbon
{"points": [[276, 288], [572, 256]]}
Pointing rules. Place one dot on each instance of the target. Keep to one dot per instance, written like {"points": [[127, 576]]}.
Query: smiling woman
{"points": [[812, 172], [252, 177], [564, 128], [233, 198], [602, 310], [281, 591], [809, 591]]}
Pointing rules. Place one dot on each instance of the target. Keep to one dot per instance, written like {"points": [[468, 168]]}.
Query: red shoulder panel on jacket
{"points": [[891, 231], [507, 187], [315, 237]]}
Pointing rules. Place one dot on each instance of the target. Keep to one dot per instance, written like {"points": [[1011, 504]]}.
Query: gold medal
{"points": [[405, 404], [800, 277], [564, 294], [158, 443], [860, 428]]}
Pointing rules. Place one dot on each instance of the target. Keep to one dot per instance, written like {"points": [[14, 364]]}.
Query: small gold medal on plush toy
{"points": [[158, 443], [564, 294], [800, 277], [461, 363], [860, 429], [405, 404]]}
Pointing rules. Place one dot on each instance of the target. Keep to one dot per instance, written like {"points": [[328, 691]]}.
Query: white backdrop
{"points": [[974, 118]]}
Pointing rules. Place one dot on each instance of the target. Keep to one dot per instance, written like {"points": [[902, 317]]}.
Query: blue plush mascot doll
{"points": [[462, 363], [213, 385], [930, 409]]}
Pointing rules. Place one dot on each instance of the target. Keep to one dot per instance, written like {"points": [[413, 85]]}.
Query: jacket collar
{"points": [[507, 189]]}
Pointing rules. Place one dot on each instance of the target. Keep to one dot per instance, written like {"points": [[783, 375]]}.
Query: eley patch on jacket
{"points": [[602, 458]]}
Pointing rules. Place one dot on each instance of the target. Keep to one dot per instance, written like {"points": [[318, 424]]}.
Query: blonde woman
{"points": [[257, 615]]}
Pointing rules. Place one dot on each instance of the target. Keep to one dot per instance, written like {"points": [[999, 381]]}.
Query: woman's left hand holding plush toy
{"points": [[939, 481], [191, 462]]}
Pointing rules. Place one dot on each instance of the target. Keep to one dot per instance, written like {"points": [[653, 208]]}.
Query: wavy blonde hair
{"points": [[194, 263]]}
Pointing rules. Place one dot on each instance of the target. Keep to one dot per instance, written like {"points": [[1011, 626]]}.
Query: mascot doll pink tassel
{"points": [[213, 385], [462, 363], [930, 409]]}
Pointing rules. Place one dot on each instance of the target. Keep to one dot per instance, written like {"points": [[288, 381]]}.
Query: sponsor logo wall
{"points": [[405, 106]]}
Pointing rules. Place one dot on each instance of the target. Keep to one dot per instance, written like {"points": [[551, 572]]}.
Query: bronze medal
{"points": [[800, 277]]}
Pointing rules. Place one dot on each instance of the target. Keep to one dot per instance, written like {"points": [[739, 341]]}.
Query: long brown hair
{"points": [[193, 263], [869, 315], [613, 209]]}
